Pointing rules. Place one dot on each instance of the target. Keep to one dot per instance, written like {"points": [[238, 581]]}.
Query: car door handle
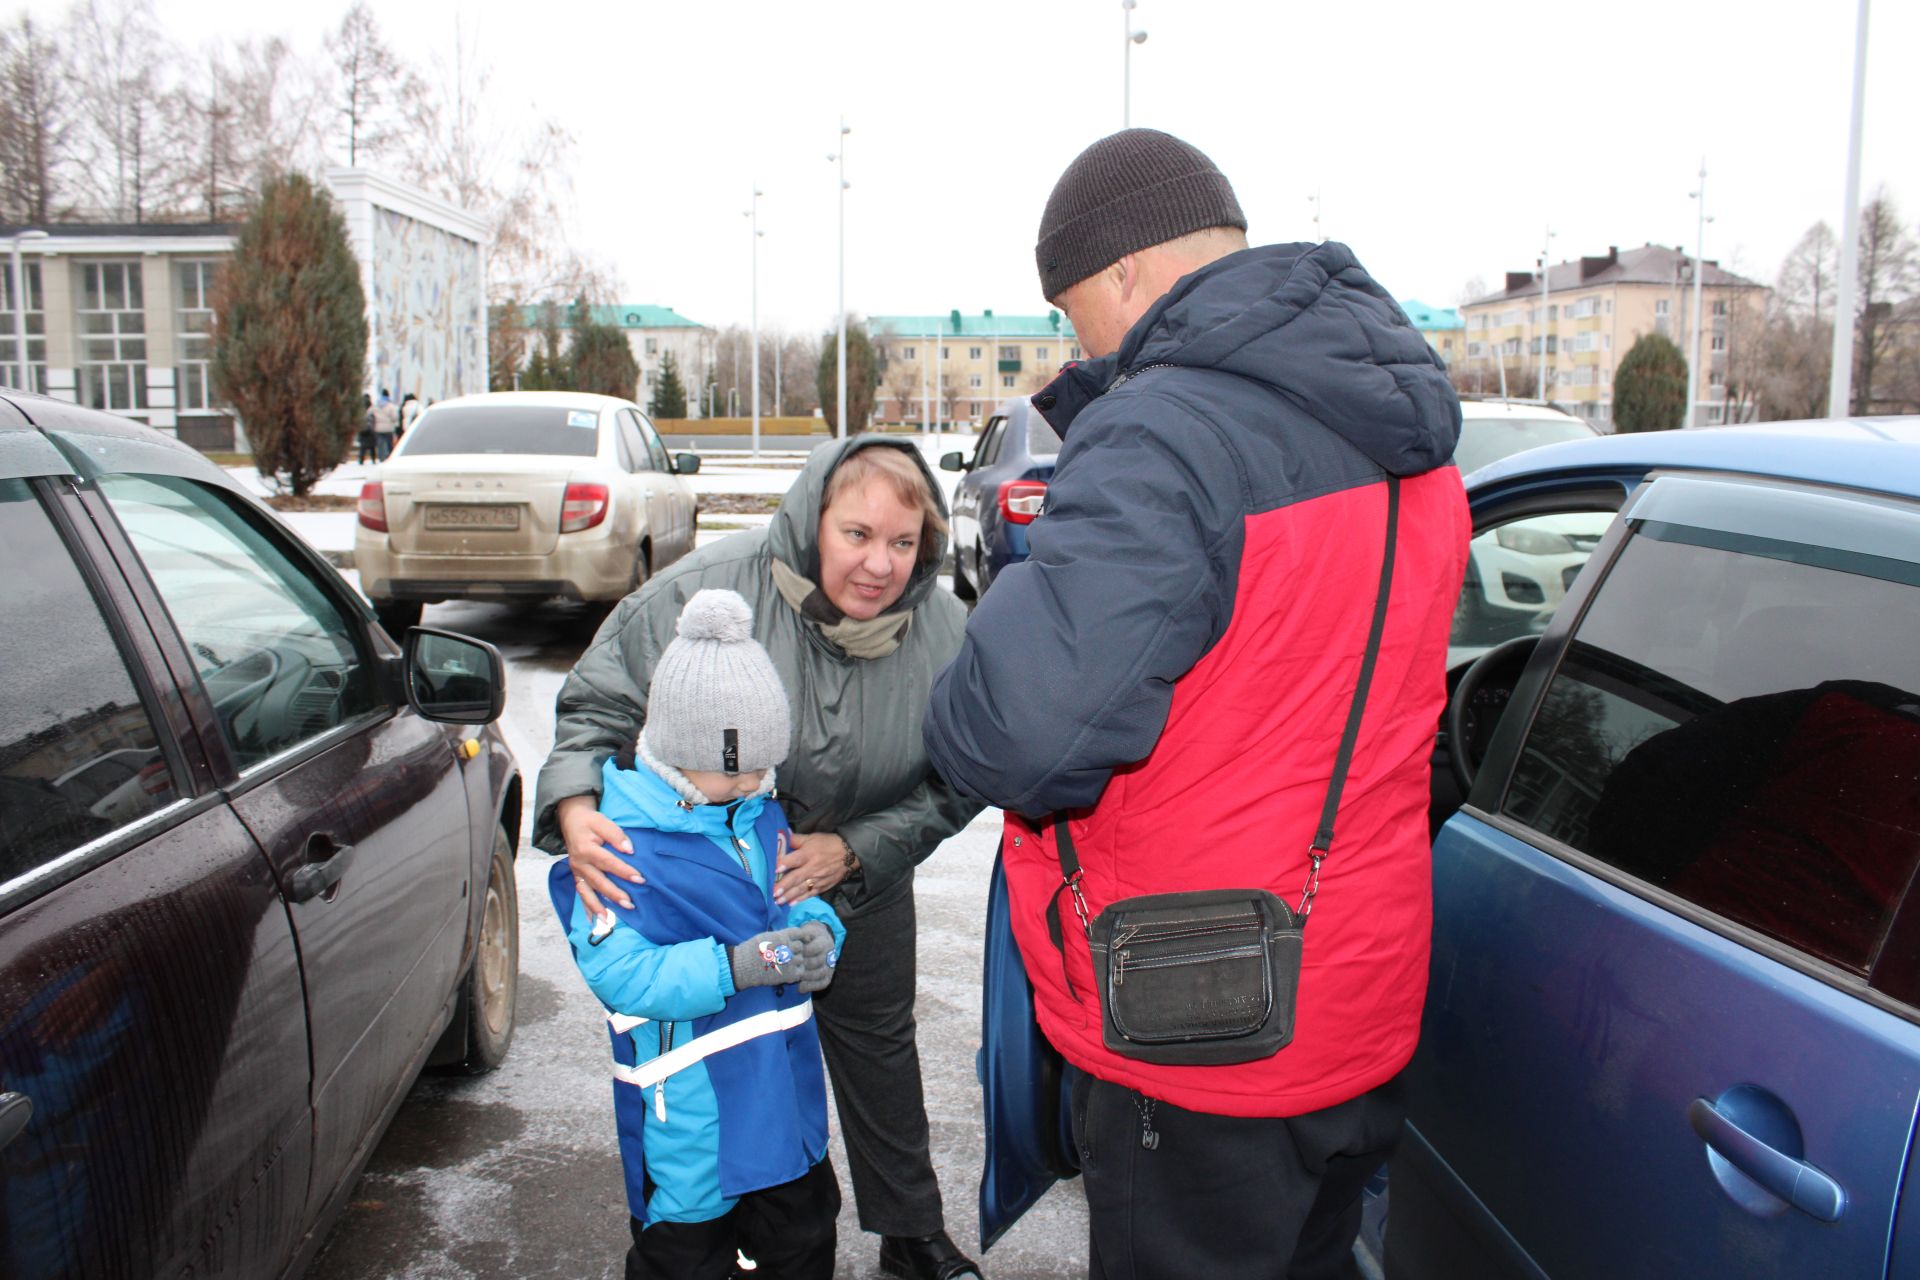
{"points": [[322, 874], [15, 1110], [1795, 1181]]}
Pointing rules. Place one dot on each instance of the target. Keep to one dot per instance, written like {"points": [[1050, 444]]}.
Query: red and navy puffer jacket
{"points": [[1173, 664]]}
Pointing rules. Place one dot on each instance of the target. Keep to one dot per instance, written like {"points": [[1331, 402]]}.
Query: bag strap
{"points": [[1071, 872], [1323, 838]]}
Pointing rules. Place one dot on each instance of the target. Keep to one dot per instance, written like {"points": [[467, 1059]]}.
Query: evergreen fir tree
{"points": [[669, 394], [863, 378], [290, 333], [1650, 386], [600, 360]]}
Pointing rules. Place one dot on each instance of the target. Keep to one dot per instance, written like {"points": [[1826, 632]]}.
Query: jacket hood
{"points": [[1307, 320], [794, 536]]}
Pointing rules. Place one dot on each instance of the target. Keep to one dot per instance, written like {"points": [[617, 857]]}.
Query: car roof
{"points": [[66, 439], [1877, 454], [550, 399], [1472, 409]]}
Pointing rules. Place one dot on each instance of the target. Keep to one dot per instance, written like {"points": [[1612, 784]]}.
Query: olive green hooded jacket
{"points": [[857, 765]]}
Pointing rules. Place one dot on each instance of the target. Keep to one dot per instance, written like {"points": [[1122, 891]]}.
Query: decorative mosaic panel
{"points": [[429, 307]]}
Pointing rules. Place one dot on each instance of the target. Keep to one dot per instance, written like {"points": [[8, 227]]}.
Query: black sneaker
{"points": [[931, 1257]]}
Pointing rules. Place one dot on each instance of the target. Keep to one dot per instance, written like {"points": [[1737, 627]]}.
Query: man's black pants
{"points": [[788, 1230], [1174, 1194]]}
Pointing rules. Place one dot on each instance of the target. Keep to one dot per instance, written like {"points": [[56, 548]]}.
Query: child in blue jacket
{"points": [[718, 1089]]}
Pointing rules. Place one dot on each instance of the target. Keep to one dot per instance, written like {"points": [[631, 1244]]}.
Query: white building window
{"points": [[974, 380], [909, 353], [1010, 353], [1040, 355], [1662, 307], [1720, 308], [946, 353], [1719, 342], [1474, 349], [113, 336], [36, 318], [1073, 353], [193, 334], [1006, 381], [653, 346]]}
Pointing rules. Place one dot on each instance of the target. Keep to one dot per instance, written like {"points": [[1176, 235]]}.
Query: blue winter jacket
{"points": [[749, 1116]]}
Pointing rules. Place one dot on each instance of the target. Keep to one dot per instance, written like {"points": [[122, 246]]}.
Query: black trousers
{"points": [[867, 1037], [788, 1230], [1173, 1194]]}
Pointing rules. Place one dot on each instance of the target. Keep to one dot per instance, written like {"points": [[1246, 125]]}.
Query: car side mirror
{"points": [[953, 462], [686, 464], [452, 678]]}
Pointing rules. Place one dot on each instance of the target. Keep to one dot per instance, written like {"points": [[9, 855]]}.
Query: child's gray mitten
{"points": [[766, 959], [817, 956]]}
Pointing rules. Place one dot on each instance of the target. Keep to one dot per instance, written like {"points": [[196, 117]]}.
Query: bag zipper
{"points": [[1122, 958]]}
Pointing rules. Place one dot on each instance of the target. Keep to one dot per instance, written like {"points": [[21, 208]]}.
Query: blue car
{"points": [[1003, 489], [1673, 1017]]}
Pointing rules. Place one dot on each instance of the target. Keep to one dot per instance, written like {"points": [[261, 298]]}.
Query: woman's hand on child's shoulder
{"points": [[590, 837]]}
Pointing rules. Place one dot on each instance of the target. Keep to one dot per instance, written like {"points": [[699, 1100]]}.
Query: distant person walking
{"points": [[386, 421], [409, 413], [366, 430]]}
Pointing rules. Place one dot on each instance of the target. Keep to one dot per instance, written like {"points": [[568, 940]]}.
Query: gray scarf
{"points": [[873, 638]]}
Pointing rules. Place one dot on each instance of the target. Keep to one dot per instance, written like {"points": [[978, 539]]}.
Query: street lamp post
{"points": [[753, 216], [1840, 383], [1126, 69], [1546, 293], [840, 347], [24, 366], [1694, 391]]}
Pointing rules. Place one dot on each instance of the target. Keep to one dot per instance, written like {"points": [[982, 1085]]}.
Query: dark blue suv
{"points": [[1002, 491]]}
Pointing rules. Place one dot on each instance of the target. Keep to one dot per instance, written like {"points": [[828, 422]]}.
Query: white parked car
{"points": [[525, 495], [1518, 574]]}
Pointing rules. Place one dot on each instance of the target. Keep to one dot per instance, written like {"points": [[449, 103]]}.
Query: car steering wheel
{"points": [[1489, 683]]}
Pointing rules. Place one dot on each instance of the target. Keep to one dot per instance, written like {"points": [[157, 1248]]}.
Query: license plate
{"points": [[472, 516]]}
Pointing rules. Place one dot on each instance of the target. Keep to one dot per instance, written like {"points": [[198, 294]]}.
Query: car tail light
{"points": [[584, 507], [373, 507], [1021, 500]]}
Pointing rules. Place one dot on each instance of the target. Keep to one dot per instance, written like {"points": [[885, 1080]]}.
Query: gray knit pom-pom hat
{"points": [[1129, 191], [716, 703]]}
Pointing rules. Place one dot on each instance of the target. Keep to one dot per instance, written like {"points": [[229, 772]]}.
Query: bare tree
{"points": [[116, 68], [373, 83], [1889, 274], [1472, 289], [1810, 273], [36, 131]]}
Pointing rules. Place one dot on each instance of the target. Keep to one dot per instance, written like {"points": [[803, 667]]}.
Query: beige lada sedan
{"points": [[521, 495]]}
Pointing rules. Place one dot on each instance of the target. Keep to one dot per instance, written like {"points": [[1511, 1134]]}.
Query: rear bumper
{"points": [[601, 571]]}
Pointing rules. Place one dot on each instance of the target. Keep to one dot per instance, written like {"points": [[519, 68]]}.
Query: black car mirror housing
{"points": [[452, 678]]}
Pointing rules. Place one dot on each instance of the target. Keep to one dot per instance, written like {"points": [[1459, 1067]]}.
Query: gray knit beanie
{"points": [[1128, 191], [716, 704]]}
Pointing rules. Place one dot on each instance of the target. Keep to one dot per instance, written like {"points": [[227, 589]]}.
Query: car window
{"points": [[1517, 574], [655, 447], [78, 752], [989, 449], [630, 457], [1486, 440], [1742, 729], [505, 428], [636, 442], [277, 655]]}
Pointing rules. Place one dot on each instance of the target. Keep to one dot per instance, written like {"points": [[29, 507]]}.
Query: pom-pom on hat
{"points": [[716, 703]]}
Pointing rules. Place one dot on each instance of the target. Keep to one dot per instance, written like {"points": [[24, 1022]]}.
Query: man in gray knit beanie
{"points": [[1254, 434]]}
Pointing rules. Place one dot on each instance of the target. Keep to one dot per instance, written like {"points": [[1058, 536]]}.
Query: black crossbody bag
{"points": [[1211, 977]]}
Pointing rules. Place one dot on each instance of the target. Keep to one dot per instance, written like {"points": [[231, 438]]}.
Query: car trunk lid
{"points": [[472, 506]]}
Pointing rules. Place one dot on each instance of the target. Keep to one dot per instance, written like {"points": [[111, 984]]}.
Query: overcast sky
{"points": [[1443, 138]]}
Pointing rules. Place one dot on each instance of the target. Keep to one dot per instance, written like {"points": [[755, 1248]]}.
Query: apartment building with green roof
{"points": [[955, 368]]}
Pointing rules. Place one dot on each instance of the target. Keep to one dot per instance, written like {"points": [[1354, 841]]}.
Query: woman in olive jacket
{"points": [[843, 586]]}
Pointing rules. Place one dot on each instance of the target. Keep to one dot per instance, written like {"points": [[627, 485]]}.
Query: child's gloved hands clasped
{"points": [[802, 955]]}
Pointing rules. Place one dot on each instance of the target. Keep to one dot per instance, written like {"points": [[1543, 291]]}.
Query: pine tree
{"points": [[669, 394], [1650, 386], [600, 359], [290, 333], [863, 377]]}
